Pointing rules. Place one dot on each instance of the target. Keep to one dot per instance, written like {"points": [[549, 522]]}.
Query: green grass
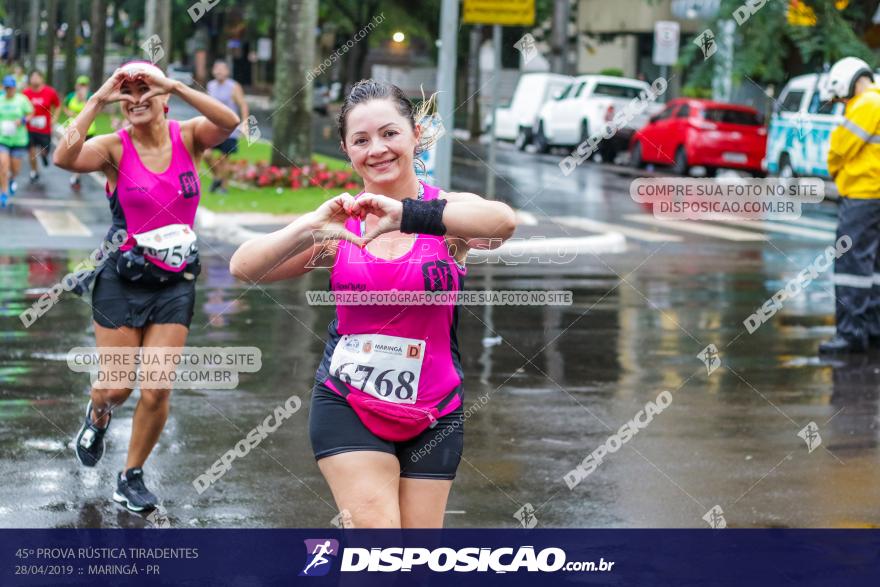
{"points": [[268, 200], [102, 122]]}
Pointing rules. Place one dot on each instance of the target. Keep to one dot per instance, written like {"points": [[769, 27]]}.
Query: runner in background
{"points": [[46, 107], [73, 105], [14, 111], [19, 75], [230, 94]]}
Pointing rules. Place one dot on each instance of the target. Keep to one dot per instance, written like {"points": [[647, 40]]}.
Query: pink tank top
{"points": [[427, 266], [144, 200]]}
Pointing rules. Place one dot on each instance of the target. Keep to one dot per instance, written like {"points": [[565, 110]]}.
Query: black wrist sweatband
{"points": [[423, 216]]}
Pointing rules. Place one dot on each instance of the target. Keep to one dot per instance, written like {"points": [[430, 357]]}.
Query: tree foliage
{"points": [[768, 49]]}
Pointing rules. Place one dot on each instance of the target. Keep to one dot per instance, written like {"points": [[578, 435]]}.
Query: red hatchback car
{"points": [[691, 132]]}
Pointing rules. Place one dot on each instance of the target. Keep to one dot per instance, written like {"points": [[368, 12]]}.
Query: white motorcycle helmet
{"points": [[841, 82]]}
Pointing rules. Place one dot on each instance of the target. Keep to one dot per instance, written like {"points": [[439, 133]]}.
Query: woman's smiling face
{"points": [[380, 142], [141, 113]]}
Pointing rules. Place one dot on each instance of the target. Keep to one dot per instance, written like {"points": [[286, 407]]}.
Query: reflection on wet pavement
{"points": [[559, 382]]}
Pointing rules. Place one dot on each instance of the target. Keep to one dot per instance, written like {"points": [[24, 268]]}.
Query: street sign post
{"points": [[446, 89], [666, 36], [497, 13]]}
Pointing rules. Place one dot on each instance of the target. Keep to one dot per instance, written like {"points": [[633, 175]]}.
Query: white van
{"points": [[515, 122], [587, 106], [800, 129]]}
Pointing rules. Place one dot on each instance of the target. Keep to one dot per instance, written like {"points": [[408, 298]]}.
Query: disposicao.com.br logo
{"points": [[441, 560]]}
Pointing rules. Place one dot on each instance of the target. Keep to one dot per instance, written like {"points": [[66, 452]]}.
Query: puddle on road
{"points": [[558, 382]]}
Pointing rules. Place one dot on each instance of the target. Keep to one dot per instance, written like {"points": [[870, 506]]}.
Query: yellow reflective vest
{"points": [[854, 155]]}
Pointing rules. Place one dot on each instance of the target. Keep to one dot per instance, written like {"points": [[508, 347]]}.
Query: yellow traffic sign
{"points": [[503, 12]]}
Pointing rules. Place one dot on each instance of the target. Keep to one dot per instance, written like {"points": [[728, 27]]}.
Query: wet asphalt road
{"points": [[559, 381]]}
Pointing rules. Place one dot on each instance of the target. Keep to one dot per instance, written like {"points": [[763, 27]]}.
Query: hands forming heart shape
{"points": [[333, 214], [111, 90]]}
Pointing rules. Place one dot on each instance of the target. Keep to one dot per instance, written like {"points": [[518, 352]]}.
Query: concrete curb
{"points": [[213, 225]]}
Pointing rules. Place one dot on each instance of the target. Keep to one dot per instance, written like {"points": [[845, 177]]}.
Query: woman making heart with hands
{"points": [[386, 418]]}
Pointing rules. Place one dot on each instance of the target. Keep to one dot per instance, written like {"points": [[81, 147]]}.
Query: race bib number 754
{"points": [[170, 244], [386, 367]]}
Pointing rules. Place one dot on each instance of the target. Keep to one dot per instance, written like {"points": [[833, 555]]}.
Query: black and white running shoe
{"points": [[90, 440], [132, 493]]}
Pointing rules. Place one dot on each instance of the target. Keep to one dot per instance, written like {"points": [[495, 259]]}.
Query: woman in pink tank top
{"points": [[144, 291], [386, 418]]}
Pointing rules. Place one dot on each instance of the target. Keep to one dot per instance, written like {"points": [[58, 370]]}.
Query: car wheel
{"points": [[786, 171], [585, 131], [541, 143], [636, 157], [681, 167], [609, 153], [711, 172], [759, 174], [523, 138]]}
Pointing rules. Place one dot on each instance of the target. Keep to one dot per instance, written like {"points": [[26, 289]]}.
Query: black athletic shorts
{"points": [[39, 139], [334, 428], [117, 302]]}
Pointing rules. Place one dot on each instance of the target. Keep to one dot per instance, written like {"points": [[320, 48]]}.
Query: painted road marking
{"points": [[815, 223], [784, 228], [699, 227], [596, 226], [37, 202], [58, 223]]}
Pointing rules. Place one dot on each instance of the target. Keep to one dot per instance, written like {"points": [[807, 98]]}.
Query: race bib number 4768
{"points": [[386, 367]]}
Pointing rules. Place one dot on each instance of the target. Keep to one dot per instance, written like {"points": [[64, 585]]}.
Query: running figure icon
{"points": [[321, 549]]}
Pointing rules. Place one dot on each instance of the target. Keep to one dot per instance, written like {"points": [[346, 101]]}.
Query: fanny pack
{"points": [[390, 421], [162, 256], [134, 266]]}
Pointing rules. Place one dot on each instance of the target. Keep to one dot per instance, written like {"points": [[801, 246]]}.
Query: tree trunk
{"points": [[51, 38], [33, 34], [164, 30], [72, 18], [99, 42], [12, 44], [151, 10], [292, 96], [354, 66]]}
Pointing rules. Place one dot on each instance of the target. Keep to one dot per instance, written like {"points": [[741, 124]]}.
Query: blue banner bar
{"points": [[439, 557]]}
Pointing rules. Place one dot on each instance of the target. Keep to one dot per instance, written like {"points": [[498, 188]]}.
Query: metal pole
{"points": [[559, 37], [446, 89], [490, 171], [664, 73]]}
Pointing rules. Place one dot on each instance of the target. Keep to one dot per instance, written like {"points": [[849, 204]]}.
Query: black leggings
{"points": [[334, 428]]}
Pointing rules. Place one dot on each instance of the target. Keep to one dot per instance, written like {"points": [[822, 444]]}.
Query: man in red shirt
{"points": [[46, 107]]}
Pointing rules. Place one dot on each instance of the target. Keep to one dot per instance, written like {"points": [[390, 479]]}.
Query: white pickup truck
{"points": [[587, 106], [515, 122]]}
